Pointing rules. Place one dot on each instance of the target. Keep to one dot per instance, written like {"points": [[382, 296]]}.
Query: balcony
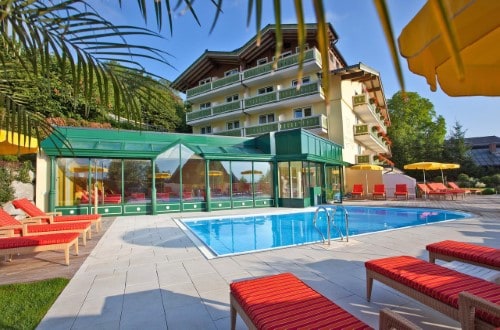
{"points": [[367, 111], [290, 97], [210, 113], [367, 135], [313, 122], [256, 75], [306, 94]]}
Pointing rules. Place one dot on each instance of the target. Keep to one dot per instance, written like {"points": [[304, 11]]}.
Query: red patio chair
{"points": [[379, 191], [36, 226], [357, 191], [33, 211], [401, 190]]}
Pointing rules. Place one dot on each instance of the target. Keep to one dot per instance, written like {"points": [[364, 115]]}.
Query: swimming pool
{"points": [[234, 235]]}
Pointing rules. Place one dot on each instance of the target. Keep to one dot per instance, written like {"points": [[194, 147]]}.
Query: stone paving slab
{"points": [[146, 273]]}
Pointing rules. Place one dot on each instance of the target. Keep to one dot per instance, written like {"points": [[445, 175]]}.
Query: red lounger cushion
{"points": [[33, 211], [49, 239], [58, 226], [284, 302], [435, 281], [64, 218], [477, 253]]}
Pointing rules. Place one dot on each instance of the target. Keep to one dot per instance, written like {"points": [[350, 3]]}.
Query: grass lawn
{"points": [[24, 305]]}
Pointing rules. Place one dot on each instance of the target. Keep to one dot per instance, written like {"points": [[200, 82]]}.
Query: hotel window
{"points": [[265, 90], [230, 72], [232, 98], [207, 105], [261, 61], [305, 80], [205, 81], [264, 119], [233, 125], [302, 112], [206, 130]]}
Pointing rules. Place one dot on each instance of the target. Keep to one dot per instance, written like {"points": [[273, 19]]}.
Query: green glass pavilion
{"points": [[136, 172]]}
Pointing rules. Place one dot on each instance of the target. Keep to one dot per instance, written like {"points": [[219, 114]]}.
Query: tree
{"points": [[456, 151], [416, 130]]}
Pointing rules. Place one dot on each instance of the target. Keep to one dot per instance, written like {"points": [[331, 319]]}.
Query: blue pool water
{"points": [[232, 235]]}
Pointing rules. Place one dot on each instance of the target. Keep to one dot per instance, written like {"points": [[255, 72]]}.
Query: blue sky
{"points": [[361, 39]]}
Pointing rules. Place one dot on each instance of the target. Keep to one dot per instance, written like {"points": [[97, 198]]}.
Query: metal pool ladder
{"points": [[330, 214]]}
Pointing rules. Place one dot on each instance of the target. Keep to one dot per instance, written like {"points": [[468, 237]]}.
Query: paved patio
{"points": [[146, 273]]}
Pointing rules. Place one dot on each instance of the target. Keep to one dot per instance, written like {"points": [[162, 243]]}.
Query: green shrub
{"points": [[488, 191], [24, 172], [6, 190]]}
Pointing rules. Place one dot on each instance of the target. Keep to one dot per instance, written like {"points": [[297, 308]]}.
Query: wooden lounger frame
{"points": [[37, 248], [417, 295]]}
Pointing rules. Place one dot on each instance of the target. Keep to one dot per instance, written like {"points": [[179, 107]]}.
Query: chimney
{"points": [[493, 148]]}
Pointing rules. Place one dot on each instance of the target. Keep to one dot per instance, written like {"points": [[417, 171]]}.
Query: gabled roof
{"points": [[209, 59], [369, 77]]}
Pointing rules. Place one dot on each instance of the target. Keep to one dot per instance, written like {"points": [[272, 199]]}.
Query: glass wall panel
{"points": [[193, 175], [167, 178], [333, 184], [242, 179], [219, 177], [296, 180], [107, 176], [137, 180], [284, 181], [263, 179], [72, 181]]}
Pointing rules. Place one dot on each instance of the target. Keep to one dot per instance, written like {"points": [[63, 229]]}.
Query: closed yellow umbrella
{"points": [[12, 143], [458, 43], [366, 168]]}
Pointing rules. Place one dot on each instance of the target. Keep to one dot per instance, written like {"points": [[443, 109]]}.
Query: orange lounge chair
{"points": [[433, 285], [357, 191], [379, 191], [37, 243], [453, 185], [468, 304], [36, 226], [401, 190], [284, 301], [33, 211], [479, 255], [441, 187], [426, 191]]}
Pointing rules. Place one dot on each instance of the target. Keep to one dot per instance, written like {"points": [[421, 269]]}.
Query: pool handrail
{"points": [[330, 215]]}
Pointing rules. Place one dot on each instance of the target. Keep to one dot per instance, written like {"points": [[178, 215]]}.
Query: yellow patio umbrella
{"points": [[366, 168], [457, 42], [12, 143], [424, 166]]}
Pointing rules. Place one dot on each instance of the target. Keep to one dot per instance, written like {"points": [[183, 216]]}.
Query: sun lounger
{"points": [[441, 187], [426, 191], [31, 244], [433, 285], [453, 185], [465, 252], [34, 226], [284, 301], [33, 211]]}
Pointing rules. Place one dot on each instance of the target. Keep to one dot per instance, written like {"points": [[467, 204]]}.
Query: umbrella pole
{"points": [[366, 179]]}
